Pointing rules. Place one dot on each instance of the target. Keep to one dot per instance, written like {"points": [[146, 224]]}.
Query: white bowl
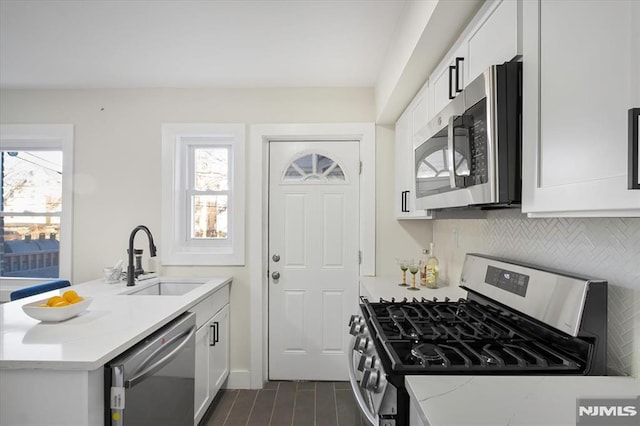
{"points": [[50, 314]]}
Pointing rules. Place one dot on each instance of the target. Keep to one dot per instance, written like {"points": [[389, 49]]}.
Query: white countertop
{"points": [[112, 323], [511, 400], [387, 287]]}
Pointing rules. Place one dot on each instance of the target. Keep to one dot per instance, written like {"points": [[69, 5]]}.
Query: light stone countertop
{"points": [[386, 287], [511, 400], [112, 323]]}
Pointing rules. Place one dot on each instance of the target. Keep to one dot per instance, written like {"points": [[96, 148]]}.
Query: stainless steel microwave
{"points": [[470, 153]]}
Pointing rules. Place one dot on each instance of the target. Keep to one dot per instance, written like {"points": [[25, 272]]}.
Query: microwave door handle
{"points": [[451, 146]]}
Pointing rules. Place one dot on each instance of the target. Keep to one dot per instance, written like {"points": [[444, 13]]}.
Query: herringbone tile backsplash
{"points": [[607, 248]]}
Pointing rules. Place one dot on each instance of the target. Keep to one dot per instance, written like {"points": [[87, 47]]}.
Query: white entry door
{"points": [[313, 257]]}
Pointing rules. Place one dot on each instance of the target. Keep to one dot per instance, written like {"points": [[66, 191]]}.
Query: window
{"points": [[203, 194], [35, 200], [314, 167]]}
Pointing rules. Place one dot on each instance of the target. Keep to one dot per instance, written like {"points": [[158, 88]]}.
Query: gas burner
{"points": [[426, 353]]}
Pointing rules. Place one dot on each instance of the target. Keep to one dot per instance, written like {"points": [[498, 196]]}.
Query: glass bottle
{"points": [[423, 269], [432, 269]]}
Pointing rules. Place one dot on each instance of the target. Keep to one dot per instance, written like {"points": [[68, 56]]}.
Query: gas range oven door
{"points": [[376, 398]]}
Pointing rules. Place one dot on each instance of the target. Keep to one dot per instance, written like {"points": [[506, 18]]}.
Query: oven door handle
{"points": [[148, 371], [372, 418]]}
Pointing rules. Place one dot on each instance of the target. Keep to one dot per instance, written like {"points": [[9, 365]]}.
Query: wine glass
{"points": [[404, 265], [414, 267]]}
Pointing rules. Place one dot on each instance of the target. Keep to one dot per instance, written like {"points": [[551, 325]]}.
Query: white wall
{"points": [[118, 174], [394, 238], [607, 248]]}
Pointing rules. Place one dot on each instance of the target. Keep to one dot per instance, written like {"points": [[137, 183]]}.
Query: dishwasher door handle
{"points": [[140, 376]]}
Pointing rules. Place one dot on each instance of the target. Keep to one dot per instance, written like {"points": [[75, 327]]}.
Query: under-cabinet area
{"points": [[121, 321]]}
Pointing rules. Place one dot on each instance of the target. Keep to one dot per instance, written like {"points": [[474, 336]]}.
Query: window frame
{"points": [[51, 137], [179, 141]]}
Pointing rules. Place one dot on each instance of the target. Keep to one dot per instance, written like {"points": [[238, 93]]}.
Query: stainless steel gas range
{"points": [[517, 319]]}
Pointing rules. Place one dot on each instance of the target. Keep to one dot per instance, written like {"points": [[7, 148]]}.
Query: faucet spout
{"points": [[152, 250]]}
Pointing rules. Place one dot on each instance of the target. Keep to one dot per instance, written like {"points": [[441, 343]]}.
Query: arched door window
{"points": [[314, 168]]}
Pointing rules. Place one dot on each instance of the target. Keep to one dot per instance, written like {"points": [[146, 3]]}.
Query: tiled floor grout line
{"points": [[335, 403], [295, 401], [230, 408], [273, 407], [315, 404], [255, 398]]}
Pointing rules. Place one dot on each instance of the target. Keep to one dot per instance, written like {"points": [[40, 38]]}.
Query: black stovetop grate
{"points": [[430, 336]]}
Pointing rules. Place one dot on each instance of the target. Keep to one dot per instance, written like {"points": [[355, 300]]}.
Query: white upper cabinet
{"points": [[491, 38], [580, 72], [447, 80], [408, 127]]}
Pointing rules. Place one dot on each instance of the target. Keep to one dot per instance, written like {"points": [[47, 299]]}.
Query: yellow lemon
{"points": [[53, 300], [77, 300], [60, 304], [69, 295]]}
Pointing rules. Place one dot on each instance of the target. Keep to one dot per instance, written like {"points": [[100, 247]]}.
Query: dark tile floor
{"points": [[286, 403]]}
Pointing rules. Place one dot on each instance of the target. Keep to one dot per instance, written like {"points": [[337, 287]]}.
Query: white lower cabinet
{"points": [[212, 349], [218, 350]]}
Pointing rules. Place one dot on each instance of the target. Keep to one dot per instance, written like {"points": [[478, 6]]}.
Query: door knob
{"points": [[275, 275], [276, 257]]}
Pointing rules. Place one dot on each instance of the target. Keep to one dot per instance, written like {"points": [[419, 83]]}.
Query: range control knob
{"points": [[367, 361], [370, 379], [355, 319], [357, 328], [362, 344]]}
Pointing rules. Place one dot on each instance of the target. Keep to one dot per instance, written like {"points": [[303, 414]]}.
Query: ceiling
{"points": [[181, 43]]}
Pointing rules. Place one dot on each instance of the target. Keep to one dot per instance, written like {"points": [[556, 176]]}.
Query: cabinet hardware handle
{"points": [[459, 62], [404, 207], [217, 335], [452, 69], [634, 149], [212, 340]]}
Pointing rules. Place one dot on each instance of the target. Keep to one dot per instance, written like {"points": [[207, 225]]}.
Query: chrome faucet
{"points": [[152, 250]]}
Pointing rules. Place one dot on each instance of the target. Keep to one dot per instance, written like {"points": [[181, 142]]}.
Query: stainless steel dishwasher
{"points": [[153, 382]]}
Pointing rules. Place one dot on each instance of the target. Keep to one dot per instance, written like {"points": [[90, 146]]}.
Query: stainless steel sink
{"points": [[165, 289]]}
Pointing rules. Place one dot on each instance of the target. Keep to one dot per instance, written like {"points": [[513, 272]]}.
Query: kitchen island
{"points": [[52, 373]]}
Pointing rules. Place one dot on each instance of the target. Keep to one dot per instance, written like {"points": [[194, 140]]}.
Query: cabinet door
{"points": [[201, 395], [443, 80], [577, 82], [403, 136], [218, 350], [404, 174], [495, 40]]}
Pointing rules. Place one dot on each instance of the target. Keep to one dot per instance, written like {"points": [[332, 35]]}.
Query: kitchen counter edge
{"points": [[158, 311]]}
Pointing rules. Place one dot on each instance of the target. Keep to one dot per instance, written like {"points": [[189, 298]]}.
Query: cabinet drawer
{"points": [[207, 308]]}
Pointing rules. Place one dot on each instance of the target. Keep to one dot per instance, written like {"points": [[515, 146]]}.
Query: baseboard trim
{"points": [[238, 379]]}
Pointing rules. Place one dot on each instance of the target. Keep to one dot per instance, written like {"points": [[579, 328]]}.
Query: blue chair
{"points": [[38, 288]]}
